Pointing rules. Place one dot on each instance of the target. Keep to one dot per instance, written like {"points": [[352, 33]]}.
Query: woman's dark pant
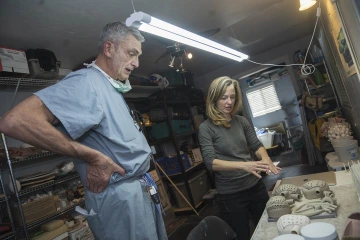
{"points": [[236, 208]]}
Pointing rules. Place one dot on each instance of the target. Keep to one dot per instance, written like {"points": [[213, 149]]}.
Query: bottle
{"points": [[316, 54], [318, 77]]}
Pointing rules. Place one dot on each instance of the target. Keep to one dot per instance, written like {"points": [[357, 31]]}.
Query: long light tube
{"points": [[147, 23]]}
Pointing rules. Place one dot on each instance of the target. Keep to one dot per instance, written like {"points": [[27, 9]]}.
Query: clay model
{"points": [[315, 189], [289, 191], [291, 224], [277, 206], [314, 208]]}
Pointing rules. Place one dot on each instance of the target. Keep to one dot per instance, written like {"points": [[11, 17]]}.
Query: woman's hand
{"points": [[272, 168], [255, 167]]}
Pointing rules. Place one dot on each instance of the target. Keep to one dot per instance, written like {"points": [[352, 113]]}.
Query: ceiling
{"points": [[70, 28]]}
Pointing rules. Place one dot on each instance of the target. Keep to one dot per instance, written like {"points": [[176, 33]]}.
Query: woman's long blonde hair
{"points": [[216, 91]]}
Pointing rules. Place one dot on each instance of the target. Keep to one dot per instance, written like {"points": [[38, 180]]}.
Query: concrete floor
{"points": [[290, 163]]}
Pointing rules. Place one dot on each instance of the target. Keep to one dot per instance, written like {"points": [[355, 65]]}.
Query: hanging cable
{"points": [[132, 2], [306, 69]]}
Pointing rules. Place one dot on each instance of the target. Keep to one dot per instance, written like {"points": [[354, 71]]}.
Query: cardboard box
{"points": [[197, 155], [34, 210], [154, 175], [12, 60]]}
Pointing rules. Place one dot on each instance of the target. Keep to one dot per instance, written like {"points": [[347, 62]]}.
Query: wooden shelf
{"points": [[187, 170], [185, 209]]}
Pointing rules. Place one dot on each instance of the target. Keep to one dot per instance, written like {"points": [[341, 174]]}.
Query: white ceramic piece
{"points": [[315, 189], [291, 224], [319, 231], [289, 191]]}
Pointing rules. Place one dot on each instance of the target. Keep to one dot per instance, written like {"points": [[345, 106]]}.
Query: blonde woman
{"points": [[224, 138]]}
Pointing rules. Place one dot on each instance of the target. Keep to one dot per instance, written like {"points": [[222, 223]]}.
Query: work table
{"points": [[347, 200]]}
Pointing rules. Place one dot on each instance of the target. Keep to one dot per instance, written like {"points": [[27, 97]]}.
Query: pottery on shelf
{"points": [[315, 189], [289, 191], [291, 224]]}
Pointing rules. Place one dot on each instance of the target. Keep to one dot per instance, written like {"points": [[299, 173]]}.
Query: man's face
{"points": [[126, 58]]}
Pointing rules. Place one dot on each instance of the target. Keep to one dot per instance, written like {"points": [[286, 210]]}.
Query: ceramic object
{"points": [[289, 191], [329, 197], [280, 199], [277, 206], [315, 189], [291, 224], [11, 187], [319, 231], [352, 226], [314, 208]]}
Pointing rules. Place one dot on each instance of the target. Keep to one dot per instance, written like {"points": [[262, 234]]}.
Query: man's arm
{"points": [[32, 122]]}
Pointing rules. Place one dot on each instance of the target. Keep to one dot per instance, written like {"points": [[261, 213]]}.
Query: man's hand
{"points": [[272, 168], [98, 173], [255, 167]]}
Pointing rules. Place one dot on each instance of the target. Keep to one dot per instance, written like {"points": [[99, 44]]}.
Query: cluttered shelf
{"points": [[49, 184], [52, 216], [25, 83], [33, 157], [169, 138]]}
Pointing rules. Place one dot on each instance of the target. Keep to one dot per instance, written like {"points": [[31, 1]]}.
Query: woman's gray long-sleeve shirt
{"points": [[229, 144]]}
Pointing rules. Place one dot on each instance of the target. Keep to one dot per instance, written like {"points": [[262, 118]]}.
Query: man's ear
{"points": [[108, 49]]}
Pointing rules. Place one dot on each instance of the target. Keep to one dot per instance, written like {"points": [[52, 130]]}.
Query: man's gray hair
{"points": [[116, 32]]}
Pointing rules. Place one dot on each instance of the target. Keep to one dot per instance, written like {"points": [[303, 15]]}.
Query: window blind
{"points": [[263, 100]]}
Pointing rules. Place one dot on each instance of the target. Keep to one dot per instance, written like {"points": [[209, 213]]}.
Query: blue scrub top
{"points": [[92, 112]]}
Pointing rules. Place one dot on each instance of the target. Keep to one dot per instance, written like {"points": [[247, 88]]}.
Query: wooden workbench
{"points": [[348, 203]]}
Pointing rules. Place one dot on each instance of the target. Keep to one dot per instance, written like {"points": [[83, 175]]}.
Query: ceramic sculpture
{"points": [[314, 208], [289, 191], [291, 224], [315, 189], [277, 206]]}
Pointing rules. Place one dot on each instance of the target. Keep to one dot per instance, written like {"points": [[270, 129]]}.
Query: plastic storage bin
{"points": [[161, 130], [171, 165], [266, 138], [199, 186], [346, 150]]}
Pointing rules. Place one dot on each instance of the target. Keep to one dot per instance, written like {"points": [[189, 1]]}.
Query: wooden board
{"points": [[328, 177]]}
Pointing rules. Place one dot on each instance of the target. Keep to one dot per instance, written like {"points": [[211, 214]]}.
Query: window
{"points": [[263, 100]]}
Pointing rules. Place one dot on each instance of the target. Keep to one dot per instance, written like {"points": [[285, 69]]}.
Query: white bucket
{"points": [[267, 138], [347, 150]]}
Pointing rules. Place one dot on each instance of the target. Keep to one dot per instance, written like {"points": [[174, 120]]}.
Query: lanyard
{"points": [[149, 182]]}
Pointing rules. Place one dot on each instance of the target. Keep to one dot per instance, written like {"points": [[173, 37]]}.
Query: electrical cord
{"points": [[306, 69]]}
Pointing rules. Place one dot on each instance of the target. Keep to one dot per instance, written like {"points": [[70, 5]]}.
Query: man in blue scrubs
{"points": [[86, 118]]}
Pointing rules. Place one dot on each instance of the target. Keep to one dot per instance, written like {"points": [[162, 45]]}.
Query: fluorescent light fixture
{"points": [[305, 4], [147, 23]]}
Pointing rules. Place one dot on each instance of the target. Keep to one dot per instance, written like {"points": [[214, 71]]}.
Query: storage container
{"points": [[171, 164], [267, 138], [34, 210], [346, 150], [199, 186], [161, 130]]}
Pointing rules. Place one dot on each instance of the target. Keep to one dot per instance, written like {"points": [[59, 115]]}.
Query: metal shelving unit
{"points": [[43, 220], [13, 86], [7, 236], [45, 185]]}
